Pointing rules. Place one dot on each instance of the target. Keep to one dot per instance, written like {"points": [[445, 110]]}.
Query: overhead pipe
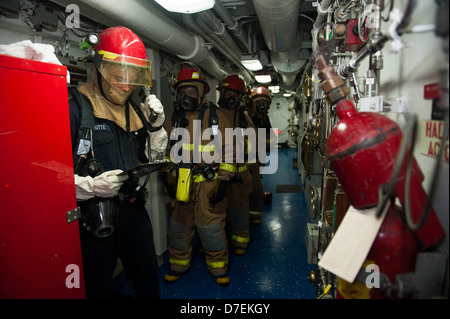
{"points": [[223, 47], [279, 23], [190, 22], [204, 31], [218, 41], [232, 24], [146, 19], [219, 30]]}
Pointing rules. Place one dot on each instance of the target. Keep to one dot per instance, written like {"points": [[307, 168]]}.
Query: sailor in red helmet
{"points": [[199, 152], [232, 89], [111, 134], [260, 99]]}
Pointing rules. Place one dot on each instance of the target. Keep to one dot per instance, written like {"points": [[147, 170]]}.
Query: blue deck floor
{"points": [[275, 266]]}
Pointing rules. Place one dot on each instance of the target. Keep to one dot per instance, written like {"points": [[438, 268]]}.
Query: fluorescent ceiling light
{"points": [[274, 89], [252, 65], [186, 6], [251, 62], [263, 78]]}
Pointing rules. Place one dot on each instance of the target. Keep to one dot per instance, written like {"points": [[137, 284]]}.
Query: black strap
{"points": [[99, 81], [201, 113], [177, 118], [127, 117], [213, 119], [179, 115], [242, 120], [87, 115], [146, 123], [87, 123]]}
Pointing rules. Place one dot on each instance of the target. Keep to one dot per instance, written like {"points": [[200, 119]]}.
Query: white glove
{"points": [[105, 185], [152, 103], [158, 143], [84, 187]]}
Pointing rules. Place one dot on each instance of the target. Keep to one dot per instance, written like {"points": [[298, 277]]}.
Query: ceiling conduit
{"points": [[279, 24], [208, 19], [144, 18], [232, 24], [209, 36]]}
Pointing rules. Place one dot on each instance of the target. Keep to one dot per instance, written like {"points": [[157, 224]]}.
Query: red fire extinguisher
{"points": [[362, 149], [393, 253]]}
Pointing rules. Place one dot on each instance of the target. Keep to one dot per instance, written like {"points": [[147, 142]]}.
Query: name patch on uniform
{"points": [[101, 127]]}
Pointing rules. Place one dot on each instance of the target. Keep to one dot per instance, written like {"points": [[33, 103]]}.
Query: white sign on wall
{"points": [[430, 138]]}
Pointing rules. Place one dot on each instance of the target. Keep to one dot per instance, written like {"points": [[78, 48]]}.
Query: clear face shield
{"points": [[121, 70]]}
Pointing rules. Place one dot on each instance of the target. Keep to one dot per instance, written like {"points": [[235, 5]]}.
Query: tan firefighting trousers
{"points": [[256, 196], [238, 207], [209, 221]]}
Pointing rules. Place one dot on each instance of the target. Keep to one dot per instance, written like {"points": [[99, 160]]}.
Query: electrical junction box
{"points": [[10, 8], [371, 104], [44, 17], [80, 72], [353, 42], [312, 242]]}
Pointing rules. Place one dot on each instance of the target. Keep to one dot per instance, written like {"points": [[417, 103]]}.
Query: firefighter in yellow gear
{"points": [[260, 99], [232, 88], [200, 177]]}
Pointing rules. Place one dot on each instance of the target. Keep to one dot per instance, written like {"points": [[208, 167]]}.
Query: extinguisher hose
{"points": [[434, 181], [389, 191]]}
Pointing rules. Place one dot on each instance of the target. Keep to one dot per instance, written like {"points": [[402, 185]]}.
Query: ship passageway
{"points": [[275, 265]]}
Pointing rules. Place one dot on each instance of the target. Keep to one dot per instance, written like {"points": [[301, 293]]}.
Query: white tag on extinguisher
{"points": [[351, 243]]}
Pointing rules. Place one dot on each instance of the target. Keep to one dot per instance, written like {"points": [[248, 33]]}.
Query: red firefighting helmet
{"points": [[188, 74], [122, 48], [260, 91], [233, 82]]}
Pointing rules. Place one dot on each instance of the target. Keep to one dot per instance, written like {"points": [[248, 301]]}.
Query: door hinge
{"points": [[73, 215]]}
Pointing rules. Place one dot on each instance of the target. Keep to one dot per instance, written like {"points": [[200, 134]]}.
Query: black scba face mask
{"points": [[262, 107], [188, 103], [229, 103]]}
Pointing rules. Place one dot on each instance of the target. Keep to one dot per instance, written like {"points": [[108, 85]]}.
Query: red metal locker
{"points": [[40, 254]]}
